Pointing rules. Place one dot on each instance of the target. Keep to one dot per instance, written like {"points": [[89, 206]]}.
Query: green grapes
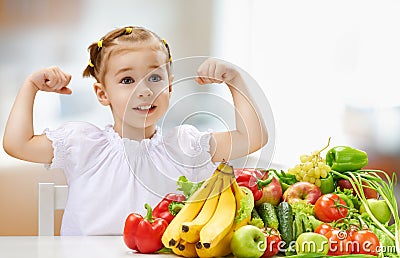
{"points": [[311, 168]]}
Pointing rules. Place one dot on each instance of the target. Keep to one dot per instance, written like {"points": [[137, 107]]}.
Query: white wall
{"points": [[33, 37], [328, 69]]}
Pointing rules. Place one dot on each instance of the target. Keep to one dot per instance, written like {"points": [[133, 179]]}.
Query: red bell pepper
{"points": [[144, 234], [251, 178], [169, 206]]}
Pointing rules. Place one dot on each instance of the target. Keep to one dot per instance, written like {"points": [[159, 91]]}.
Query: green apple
{"points": [[312, 243], [379, 209], [248, 241]]}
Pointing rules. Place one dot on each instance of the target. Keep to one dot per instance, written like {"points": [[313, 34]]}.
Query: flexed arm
{"points": [[19, 140], [250, 133]]}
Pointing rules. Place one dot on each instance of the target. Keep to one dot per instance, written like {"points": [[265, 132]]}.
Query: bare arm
{"points": [[19, 140], [250, 133]]}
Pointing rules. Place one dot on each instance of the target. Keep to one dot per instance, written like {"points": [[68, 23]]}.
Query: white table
{"points": [[67, 247]]}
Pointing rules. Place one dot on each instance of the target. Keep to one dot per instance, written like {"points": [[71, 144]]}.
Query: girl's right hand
{"points": [[51, 79]]}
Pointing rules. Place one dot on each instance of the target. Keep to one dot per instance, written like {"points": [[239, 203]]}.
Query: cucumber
{"points": [[268, 215], [285, 217]]}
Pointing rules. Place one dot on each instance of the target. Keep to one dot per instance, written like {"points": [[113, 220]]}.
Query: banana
{"points": [[238, 193], [224, 168], [185, 249], [221, 249], [192, 207], [189, 211], [176, 250], [223, 218], [191, 230]]}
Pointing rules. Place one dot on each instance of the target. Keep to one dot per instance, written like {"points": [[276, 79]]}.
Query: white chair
{"points": [[51, 197]]}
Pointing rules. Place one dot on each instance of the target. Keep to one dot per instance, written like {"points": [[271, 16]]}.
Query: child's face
{"points": [[137, 85]]}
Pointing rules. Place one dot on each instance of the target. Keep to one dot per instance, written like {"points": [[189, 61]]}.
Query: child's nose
{"points": [[144, 92]]}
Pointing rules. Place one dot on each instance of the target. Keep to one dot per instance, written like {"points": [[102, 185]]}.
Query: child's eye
{"points": [[155, 78], [127, 80]]}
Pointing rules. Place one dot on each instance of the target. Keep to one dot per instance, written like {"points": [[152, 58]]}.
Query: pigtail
{"points": [[90, 69]]}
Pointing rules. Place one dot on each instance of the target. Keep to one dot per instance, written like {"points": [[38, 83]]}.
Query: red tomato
{"points": [[273, 243], [339, 242], [352, 229], [329, 207], [323, 229], [365, 242]]}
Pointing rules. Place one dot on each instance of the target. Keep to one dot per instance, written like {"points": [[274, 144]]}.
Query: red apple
{"points": [[272, 192], [302, 191], [345, 184]]}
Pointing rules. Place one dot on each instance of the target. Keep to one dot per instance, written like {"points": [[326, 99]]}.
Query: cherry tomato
{"points": [[365, 242], [339, 242], [323, 229], [273, 243], [329, 207]]}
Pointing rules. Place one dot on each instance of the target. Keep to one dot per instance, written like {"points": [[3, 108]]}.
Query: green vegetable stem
{"points": [[345, 158], [385, 188]]}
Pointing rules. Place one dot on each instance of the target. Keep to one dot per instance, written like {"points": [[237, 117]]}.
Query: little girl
{"points": [[112, 172]]}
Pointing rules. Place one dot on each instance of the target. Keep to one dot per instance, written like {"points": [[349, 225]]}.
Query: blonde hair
{"points": [[127, 34]]}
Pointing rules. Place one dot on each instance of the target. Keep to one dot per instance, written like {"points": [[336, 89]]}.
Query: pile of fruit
{"points": [[322, 207]]}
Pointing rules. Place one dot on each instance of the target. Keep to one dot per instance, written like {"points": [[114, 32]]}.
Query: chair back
{"points": [[51, 197]]}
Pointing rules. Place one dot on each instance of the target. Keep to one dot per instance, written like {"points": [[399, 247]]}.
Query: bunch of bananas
{"points": [[205, 225]]}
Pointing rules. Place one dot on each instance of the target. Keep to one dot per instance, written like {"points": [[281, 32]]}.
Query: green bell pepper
{"points": [[327, 184], [344, 158]]}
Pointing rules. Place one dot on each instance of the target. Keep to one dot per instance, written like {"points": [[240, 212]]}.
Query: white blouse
{"points": [[110, 177]]}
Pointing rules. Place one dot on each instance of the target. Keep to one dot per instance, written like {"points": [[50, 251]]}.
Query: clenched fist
{"points": [[51, 79], [216, 71]]}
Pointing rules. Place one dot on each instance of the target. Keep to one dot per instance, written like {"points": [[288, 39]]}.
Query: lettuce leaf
{"points": [[304, 207], [246, 205], [257, 222], [187, 187]]}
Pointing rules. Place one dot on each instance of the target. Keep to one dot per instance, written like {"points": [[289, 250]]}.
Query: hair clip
{"points": [[166, 45], [128, 30], [100, 43], [90, 63]]}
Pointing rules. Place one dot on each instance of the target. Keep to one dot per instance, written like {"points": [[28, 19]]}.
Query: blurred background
{"points": [[327, 69]]}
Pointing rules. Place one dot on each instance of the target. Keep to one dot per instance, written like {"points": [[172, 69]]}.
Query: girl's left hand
{"points": [[216, 71]]}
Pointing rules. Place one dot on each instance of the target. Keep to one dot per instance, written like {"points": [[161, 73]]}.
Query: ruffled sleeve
{"points": [[189, 147], [74, 145]]}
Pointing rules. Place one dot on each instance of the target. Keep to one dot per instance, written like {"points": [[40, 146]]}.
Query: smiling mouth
{"points": [[144, 108]]}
